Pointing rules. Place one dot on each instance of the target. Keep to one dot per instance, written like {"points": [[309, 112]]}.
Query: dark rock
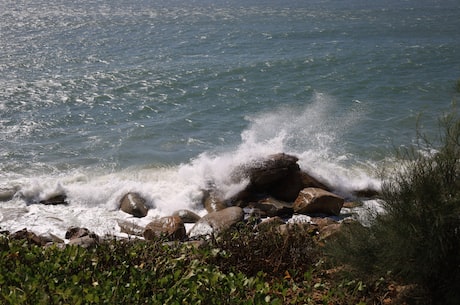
{"points": [[77, 232], [318, 201], [366, 193], [55, 200], [217, 221], [171, 227], [134, 204], [187, 216], [31, 237], [278, 176]]}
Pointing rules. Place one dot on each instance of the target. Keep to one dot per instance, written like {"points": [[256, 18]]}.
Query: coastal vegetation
{"points": [[417, 239]]}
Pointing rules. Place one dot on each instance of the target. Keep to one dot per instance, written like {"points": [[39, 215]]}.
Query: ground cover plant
{"points": [[248, 269]]}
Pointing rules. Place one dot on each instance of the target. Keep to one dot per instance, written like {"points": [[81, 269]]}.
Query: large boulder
{"points": [[278, 176], [318, 201], [217, 221], [134, 204], [171, 227]]}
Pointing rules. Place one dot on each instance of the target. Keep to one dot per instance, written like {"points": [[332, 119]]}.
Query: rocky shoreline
{"points": [[278, 192]]}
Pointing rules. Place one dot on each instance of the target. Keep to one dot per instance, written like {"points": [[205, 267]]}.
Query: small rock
{"points": [[134, 204], [217, 221], [171, 227], [76, 232], [87, 241], [31, 237], [187, 216], [318, 201], [55, 200], [130, 228]]}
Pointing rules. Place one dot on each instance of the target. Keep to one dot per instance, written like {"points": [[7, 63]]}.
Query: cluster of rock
{"points": [[277, 190]]}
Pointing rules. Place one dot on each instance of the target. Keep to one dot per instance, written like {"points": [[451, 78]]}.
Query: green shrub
{"points": [[418, 236]]}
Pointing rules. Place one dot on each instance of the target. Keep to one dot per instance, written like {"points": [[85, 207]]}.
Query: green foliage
{"points": [[140, 272], [418, 236]]}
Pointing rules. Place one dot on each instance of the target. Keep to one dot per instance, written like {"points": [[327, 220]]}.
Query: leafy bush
{"points": [[418, 236]]}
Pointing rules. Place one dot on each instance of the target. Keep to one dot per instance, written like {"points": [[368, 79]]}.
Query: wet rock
{"points": [[217, 221], [187, 216], [318, 201], [171, 227], [134, 204]]}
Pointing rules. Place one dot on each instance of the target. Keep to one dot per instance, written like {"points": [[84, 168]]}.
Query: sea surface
{"points": [[101, 98]]}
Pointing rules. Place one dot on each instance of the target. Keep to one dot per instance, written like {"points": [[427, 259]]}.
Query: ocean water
{"points": [[99, 98]]}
